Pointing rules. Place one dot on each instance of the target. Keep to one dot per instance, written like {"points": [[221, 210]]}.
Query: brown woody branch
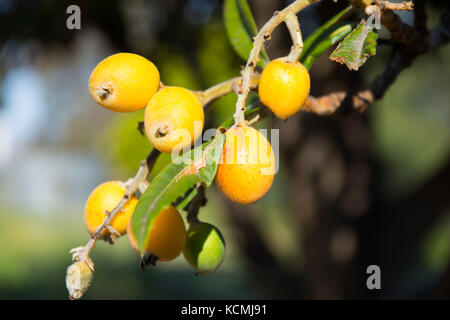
{"points": [[209, 95], [405, 5], [409, 43], [383, 4]]}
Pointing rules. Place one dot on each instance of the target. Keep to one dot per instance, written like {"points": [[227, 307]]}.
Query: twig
{"points": [[258, 41], [325, 105], [82, 253], [383, 4], [405, 5], [194, 206], [151, 159], [224, 88], [409, 43], [255, 119], [400, 31], [141, 128], [131, 187], [296, 36]]}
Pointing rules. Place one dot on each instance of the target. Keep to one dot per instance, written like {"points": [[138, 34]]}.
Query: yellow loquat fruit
{"points": [[124, 82], [103, 199], [173, 119], [166, 238], [247, 166], [284, 87]]}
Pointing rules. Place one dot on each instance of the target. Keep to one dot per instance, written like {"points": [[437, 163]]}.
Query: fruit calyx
{"points": [[148, 259], [104, 91], [162, 130]]}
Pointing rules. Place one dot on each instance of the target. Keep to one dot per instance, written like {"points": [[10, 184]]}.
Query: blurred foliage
{"points": [[410, 125], [218, 62], [175, 69], [436, 248], [275, 220], [122, 145]]}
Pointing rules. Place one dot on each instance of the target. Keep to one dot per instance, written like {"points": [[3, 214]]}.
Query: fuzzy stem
{"points": [[296, 36], [405, 5], [258, 41], [130, 190], [82, 253], [224, 88]]}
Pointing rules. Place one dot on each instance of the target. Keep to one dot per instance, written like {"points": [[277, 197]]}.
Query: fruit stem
{"points": [[264, 34], [384, 5], [194, 206], [151, 160], [223, 88], [293, 26], [147, 260], [254, 120]]}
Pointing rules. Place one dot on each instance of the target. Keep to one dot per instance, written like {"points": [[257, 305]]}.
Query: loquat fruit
{"points": [[102, 200], [124, 82], [284, 87], [204, 248], [173, 119], [246, 170], [166, 238]]}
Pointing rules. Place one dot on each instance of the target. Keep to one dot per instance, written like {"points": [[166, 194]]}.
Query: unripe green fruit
{"points": [[204, 248]]}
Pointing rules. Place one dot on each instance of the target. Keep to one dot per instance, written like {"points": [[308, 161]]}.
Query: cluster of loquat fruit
{"points": [[127, 82]]}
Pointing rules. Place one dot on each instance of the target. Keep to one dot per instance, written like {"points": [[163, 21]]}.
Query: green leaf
{"points": [[241, 28], [327, 39], [357, 47], [173, 183], [316, 36]]}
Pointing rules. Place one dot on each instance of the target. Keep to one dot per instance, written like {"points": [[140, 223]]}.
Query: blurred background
{"points": [[352, 190]]}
